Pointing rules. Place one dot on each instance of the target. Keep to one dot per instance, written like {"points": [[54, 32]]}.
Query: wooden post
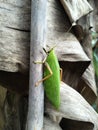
{"points": [[36, 94]]}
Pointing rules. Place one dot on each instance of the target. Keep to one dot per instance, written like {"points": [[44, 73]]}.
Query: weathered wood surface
{"points": [[89, 85], [15, 27], [15, 42], [69, 49], [14, 32], [14, 35], [36, 93], [16, 58], [73, 106], [76, 9]]}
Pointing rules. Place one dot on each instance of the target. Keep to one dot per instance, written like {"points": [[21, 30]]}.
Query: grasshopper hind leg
{"points": [[48, 76]]}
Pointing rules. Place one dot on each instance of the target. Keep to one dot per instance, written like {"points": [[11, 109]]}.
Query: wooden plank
{"points": [[36, 94]]}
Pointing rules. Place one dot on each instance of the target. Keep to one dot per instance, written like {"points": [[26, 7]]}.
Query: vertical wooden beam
{"points": [[36, 94]]}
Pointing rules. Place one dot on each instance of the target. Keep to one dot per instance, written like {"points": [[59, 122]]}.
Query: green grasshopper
{"points": [[51, 78]]}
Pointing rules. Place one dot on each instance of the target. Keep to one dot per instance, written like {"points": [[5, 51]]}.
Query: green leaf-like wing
{"points": [[52, 84]]}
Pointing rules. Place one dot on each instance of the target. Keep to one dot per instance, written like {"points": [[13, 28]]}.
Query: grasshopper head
{"points": [[49, 49]]}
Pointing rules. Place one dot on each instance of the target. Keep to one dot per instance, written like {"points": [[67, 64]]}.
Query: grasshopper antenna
{"points": [[45, 50], [49, 49]]}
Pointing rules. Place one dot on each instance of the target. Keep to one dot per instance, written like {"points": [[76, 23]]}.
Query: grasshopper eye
{"points": [[47, 52]]}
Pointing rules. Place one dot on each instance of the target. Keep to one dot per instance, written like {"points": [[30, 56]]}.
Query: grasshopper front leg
{"points": [[40, 62]]}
